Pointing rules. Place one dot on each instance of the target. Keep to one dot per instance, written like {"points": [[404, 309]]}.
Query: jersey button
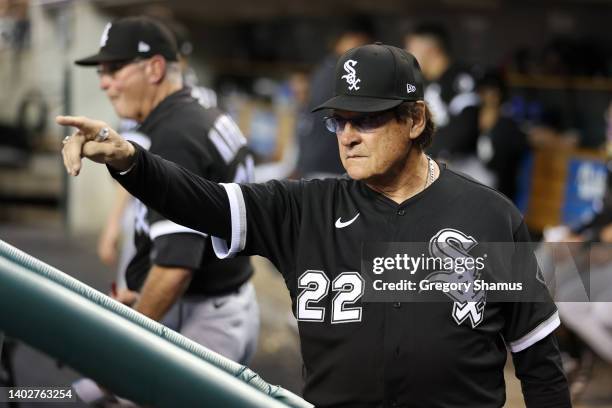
{"points": [[397, 305], [401, 212]]}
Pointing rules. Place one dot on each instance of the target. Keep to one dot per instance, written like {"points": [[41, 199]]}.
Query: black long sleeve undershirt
{"points": [[178, 194], [541, 374]]}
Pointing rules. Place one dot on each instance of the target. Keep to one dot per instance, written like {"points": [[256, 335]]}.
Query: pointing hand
{"points": [[95, 140]]}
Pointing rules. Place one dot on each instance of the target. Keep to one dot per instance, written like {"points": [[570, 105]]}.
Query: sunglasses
{"points": [[367, 122], [111, 68]]}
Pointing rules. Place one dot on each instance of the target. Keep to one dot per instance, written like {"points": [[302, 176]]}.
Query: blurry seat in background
{"points": [[14, 147], [30, 178], [561, 186], [26, 133]]}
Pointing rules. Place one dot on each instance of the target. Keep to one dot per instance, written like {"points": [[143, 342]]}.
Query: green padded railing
{"points": [[49, 277]]}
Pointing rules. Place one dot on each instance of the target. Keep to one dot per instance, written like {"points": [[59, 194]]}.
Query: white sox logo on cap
{"points": [[374, 78], [351, 75]]}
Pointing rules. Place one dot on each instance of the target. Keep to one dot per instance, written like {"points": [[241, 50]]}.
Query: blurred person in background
{"points": [[501, 144], [451, 93], [318, 149], [174, 276]]}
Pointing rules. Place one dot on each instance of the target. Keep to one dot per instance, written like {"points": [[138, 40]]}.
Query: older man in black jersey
{"points": [[174, 276], [360, 353]]}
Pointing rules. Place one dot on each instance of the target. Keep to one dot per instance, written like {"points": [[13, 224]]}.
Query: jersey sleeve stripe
{"points": [[167, 227], [239, 225], [537, 334], [226, 134], [236, 130], [221, 145], [230, 131]]}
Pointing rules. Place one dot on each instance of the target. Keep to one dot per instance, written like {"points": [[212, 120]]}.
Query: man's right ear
{"points": [[156, 69], [418, 121]]}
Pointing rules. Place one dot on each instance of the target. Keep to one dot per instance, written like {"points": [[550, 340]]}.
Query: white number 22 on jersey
{"points": [[315, 285]]}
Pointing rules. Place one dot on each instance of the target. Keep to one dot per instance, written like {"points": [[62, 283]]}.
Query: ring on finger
{"points": [[102, 134]]}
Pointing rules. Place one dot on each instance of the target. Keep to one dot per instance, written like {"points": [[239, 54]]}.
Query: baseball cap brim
{"points": [[101, 57], [353, 103]]}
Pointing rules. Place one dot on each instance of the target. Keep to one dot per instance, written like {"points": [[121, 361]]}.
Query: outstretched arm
{"points": [[173, 191]]}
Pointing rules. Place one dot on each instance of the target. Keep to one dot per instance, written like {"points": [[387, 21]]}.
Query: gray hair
{"points": [[173, 71], [414, 111]]}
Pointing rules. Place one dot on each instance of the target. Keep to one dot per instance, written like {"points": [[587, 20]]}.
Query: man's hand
{"points": [[113, 150], [126, 296]]}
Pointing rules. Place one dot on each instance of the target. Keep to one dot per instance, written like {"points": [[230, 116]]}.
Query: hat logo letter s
{"points": [[351, 76], [410, 88]]}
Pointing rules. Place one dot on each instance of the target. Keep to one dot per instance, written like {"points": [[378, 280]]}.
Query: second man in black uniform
{"points": [[174, 277]]}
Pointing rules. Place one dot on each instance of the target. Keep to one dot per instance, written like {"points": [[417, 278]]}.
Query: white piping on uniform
{"points": [[537, 334], [167, 227], [221, 145], [239, 224]]}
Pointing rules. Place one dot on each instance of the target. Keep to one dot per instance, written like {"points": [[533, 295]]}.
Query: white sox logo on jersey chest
{"points": [[450, 243], [351, 75]]}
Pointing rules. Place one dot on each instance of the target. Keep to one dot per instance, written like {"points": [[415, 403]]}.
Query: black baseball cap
{"points": [[374, 78], [133, 37]]}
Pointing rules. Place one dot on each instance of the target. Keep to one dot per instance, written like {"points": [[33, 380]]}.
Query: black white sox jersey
{"points": [[372, 354], [208, 143]]}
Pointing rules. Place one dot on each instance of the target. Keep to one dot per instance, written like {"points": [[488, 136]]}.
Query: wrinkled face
{"points": [[372, 153], [125, 84]]}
